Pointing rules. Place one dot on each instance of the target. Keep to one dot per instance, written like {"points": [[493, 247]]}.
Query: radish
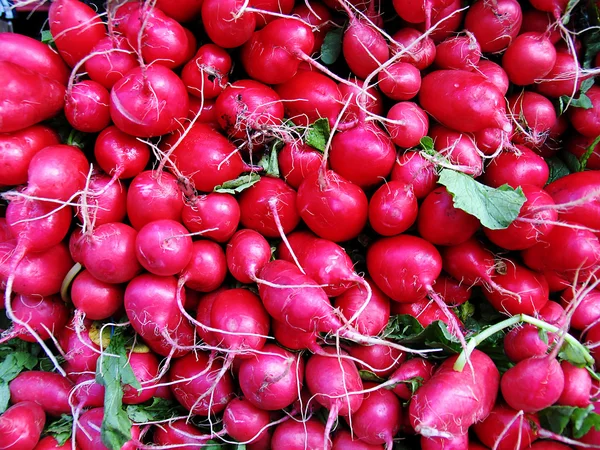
{"points": [[21, 426], [296, 161], [355, 93], [153, 196], [226, 24], [440, 223], [379, 358], [75, 28], [507, 429], [219, 213], [415, 170], [578, 386], [451, 401], [148, 101], [26, 97], [179, 434], [407, 124], [300, 435], [163, 247], [102, 202], [88, 435], [207, 268], [525, 342], [413, 369], [494, 25], [426, 312], [459, 52], [49, 390], [587, 311], [269, 207], [534, 117], [517, 169], [271, 379], [440, 443], [363, 47], [184, 11], [244, 422], [533, 49], [446, 20], [247, 253], [494, 73], [96, 299], [400, 81], [205, 156], [318, 15], [263, 7], [145, 369], [207, 74], [81, 354], [365, 146], [332, 207], [335, 384], [458, 148], [110, 59], [343, 440], [420, 54], [533, 384], [87, 106], [33, 55], [18, 148], [196, 385], [586, 121], [393, 208], [541, 22], [565, 78], [464, 101], [119, 154], [50, 443], [417, 11], [454, 292]]}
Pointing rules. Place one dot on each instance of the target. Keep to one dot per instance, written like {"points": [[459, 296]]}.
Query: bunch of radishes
{"points": [[277, 224]]}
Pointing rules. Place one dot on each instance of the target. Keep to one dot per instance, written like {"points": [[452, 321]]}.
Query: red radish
{"points": [[179, 432], [293, 339], [273, 54], [578, 386], [272, 379], [454, 292], [534, 117], [495, 74], [377, 420], [451, 401], [440, 443], [426, 312], [459, 148], [440, 223], [540, 22], [525, 342], [507, 429], [45, 315], [308, 96], [226, 24], [21, 426], [207, 268], [464, 101], [494, 25], [413, 169], [404, 267], [533, 384], [400, 81], [578, 192], [529, 57], [534, 222], [365, 146], [244, 422], [343, 440], [379, 358], [300, 435], [420, 54], [18, 148], [332, 207], [587, 312], [151, 303], [205, 156], [148, 101], [247, 253], [75, 28], [33, 55], [276, 6], [153, 196], [47, 389], [50, 443], [203, 110], [407, 124], [88, 435], [199, 393], [459, 52], [587, 121], [374, 318], [247, 106], [203, 311], [103, 202], [317, 14], [417, 11], [408, 371], [163, 247], [207, 74], [393, 208], [447, 21], [163, 41], [184, 11], [565, 78], [363, 47], [145, 368], [119, 154], [355, 94], [269, 207], [27, 98], [97, 300], [87, 107], [578, 145], [110, 255], [555, 7], [517, 169], [81, 354], [335, 384], [112, 58], [297, 160], [39, 273]]}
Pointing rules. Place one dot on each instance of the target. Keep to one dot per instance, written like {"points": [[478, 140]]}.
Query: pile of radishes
{"points": [[296, 225]]}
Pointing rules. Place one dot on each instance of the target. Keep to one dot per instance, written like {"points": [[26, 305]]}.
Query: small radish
{"points": [[119, 154], [163, 247], [226, 24], [413, 169], [407, 124], [207, 74], [247, 253], [393, 208], [87, 106], [529, 57]]}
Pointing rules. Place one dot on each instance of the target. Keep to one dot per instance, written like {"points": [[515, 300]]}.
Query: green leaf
{"points": [[495, 208], [569, 421], [239, 184], [405, 329], [586, 85], [572, 354], [367, 375], [4, 396], [318, 134], [154, 410], [558, 169], [60, 429], [543, 335], [427, 144], [465, 311], [48, 39], [269, 161], [113, 373], [589, 151], [240, 447], [332, 46], [583, 102], [571, 160], [591, 43], [15, 359]]}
